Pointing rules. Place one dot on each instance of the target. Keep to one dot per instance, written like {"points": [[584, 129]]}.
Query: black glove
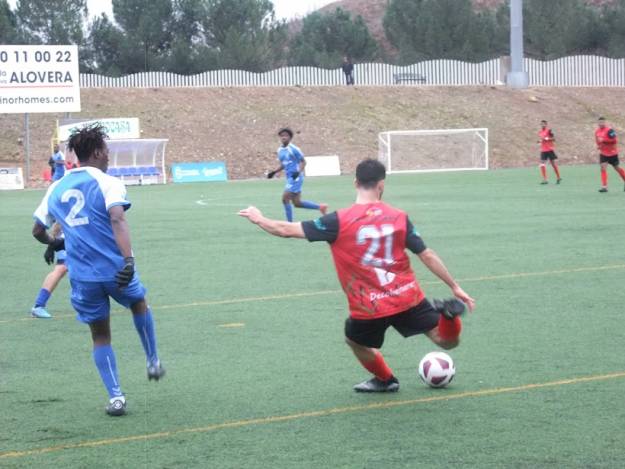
{"points": [[48, 256], [57, 245], [271, 174], [295, 175], [124, 276]]}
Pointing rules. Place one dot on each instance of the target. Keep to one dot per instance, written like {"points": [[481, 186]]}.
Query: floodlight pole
{"points": [[518, 77], [27, 147]]}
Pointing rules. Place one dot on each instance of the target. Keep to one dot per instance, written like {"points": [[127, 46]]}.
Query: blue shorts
{"points": [[294, 185], [91, 300]]}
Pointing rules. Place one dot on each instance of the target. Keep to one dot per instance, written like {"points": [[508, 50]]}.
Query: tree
{"points": [[52, 21], [147, 31], [326, 38], [105, 43], [440, 29], [559, 27], [612, 37], [8, 24], [244, 34]]}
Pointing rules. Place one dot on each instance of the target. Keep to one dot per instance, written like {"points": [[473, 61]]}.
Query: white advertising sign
{"points": [[11, 179], [323, 166], [36, 79], [116, 128]]}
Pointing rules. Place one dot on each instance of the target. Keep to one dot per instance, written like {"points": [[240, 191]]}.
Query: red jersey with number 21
{"points": [[371, 262]]}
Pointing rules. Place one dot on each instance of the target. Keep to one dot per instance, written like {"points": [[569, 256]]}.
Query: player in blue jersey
{"points": [[292, 162], [90, 206], [59, 163], [52, 279]]}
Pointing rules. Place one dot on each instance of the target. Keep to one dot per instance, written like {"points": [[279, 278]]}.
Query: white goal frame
{"points": [[385, 148]]}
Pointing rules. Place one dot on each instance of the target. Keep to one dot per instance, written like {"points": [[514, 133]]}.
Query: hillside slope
{"points": [[238, 125]]}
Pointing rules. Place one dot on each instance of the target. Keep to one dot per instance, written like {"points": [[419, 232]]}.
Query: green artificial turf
{"points": [[250, 331]]}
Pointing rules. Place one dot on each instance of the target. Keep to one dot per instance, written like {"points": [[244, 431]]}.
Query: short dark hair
{"points": [[285, 130], [86, 141], [369, 172], [601, 118], [545, 121]]}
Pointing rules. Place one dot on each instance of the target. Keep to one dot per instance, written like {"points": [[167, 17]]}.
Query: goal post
{"points": [[409, 151]]}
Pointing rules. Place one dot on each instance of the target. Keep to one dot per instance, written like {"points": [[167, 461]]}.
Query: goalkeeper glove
{"points": [[271, 174], [295, 175], [124, 276], [48, 255], [58, 244]]}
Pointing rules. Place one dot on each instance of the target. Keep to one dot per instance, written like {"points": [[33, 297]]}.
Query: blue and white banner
{"points": [[199, 172]]}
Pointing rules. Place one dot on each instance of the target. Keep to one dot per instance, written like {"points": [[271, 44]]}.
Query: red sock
{"points": [[378, 367], [555, 168], [543, 171], [621, 171], [604, 178], [449, 329]]}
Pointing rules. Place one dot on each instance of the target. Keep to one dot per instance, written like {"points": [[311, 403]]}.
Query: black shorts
{"points": [[613, 160], [370, 332], [548, 155]]}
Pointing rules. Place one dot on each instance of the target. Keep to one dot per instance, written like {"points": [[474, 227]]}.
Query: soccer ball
{"points": [[437, 369]]}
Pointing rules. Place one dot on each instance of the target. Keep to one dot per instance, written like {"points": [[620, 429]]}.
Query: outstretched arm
{"points": [[283, 229], [436, 266], [271, 174]]}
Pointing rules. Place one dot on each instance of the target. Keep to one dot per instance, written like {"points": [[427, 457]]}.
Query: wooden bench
{"points": [[408, 77]]}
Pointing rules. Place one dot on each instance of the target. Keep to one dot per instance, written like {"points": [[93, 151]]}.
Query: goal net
{"points": [[404, 151]]}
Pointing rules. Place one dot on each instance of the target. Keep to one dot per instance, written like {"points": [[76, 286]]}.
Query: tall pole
{"points": [[27, 147], [518, 77]]}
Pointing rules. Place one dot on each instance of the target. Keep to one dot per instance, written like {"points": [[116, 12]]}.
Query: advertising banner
{"points": [[199, 172], [11, 179], [39, 79], [119, 128], [323, 166]]}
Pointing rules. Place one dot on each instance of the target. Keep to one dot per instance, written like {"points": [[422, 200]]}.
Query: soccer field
{"points": [[250, 329]]}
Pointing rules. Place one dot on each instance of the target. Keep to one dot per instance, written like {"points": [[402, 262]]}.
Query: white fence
{"points": [[580, 70], [568, 71]]}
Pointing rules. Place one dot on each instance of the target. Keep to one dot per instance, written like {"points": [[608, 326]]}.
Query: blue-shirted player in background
{"points": [[59, 163], [90, 206], [293, 163]]}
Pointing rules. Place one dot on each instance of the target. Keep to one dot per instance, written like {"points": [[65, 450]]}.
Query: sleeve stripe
{"points": [[115, 204]]}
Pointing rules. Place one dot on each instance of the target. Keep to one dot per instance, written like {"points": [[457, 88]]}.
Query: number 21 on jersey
{"points": [[376, 236]]}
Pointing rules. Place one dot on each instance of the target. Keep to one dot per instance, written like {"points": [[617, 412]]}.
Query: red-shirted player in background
{"points": [[607, 144], [368, 242], [547, 147]]}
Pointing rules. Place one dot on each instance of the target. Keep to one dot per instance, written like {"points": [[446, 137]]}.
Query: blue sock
{"points": [[104, 359], [42, 298], [288, 209], [310, 205], [144, 323]]}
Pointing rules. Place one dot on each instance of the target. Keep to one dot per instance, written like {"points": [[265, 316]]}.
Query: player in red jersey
{"points": [[547, 147], [607, 144], [368, 242]]}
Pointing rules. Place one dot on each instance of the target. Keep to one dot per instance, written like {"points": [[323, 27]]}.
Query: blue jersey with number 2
{"points": [[80, 203]]}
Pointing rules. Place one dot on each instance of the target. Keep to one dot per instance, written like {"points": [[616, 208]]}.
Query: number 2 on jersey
{"points": [[71, 219], [374, 235]]}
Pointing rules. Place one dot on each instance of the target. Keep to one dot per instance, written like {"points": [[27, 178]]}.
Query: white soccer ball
{"points": [[437, 369]]}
